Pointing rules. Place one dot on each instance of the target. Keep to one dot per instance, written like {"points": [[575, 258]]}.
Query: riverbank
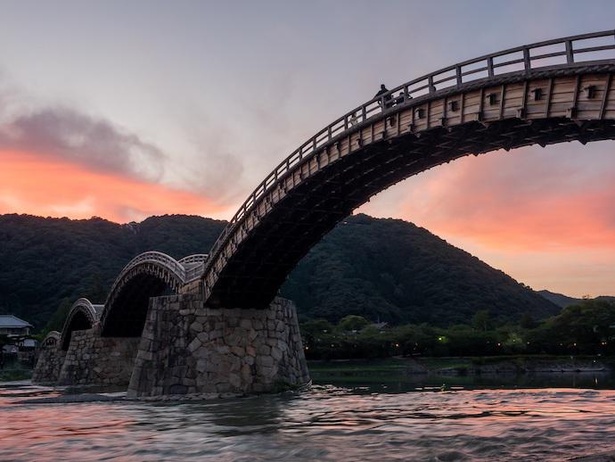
{"points": [[11, 374], [512, 365], [423, 373], [472, 365]]}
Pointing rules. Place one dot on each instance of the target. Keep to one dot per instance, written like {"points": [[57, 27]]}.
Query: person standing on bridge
{"points": [[387, 99]]}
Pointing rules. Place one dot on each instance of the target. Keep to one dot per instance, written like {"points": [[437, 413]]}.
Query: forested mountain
{"points": [[387, 270], [391, 270], [47, 262]]}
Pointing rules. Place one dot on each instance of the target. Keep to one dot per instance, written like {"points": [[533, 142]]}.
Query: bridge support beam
{"points": [[189, 350]]}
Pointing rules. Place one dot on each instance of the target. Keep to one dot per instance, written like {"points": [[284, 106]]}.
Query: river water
{"points": [[384, 422]]}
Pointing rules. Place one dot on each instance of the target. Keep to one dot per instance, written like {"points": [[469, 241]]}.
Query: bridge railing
{"points": [[563, 52], [148, 257], [193, 265], [191, 259], [158, 257]]}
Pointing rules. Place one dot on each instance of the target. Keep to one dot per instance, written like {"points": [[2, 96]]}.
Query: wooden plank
{"points": [[491, 103], [405, 120], [454, 116], [514, 99], [548, 98], [472, 105], [605, 96], [436, 113]]}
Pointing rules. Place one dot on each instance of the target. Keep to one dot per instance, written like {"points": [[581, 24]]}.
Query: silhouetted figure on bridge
{"points": [[386, 99]]}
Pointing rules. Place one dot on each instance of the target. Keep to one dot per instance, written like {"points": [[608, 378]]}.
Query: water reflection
{"points": [[328, 423]]}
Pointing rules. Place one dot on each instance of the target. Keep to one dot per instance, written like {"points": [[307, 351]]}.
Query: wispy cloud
{"points": [[65, 133], [58, 135]]}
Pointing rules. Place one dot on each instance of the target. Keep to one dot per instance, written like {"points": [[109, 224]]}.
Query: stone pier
{"points": [[50, 361], [89, 360], [187, 350], [95, 360]]}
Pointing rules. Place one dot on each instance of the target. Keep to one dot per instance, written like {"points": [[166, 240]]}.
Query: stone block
{"points": [[223, 349], [238, 351], [194, 345], [178, 389], [196, 327], [276, 354], [264, 361], [234, 381], [245, 323], [263, 350]]}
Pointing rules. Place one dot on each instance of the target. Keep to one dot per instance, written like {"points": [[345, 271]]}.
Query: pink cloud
{"points": [[531, 199], [39, 185]]}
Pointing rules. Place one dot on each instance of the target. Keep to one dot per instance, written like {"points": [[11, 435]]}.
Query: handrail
{"points": [[525, 59], [148, 257], [157, 257], [193, 265], [196, 258]]}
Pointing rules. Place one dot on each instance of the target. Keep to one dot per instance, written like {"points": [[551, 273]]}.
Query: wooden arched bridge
{"points": [[149, 274], [544, 93], [549, 92]]}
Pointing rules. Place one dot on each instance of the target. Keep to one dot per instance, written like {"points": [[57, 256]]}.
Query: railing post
{"points": [[527, 64], [490, 66], [458, 75], [569, 52]]}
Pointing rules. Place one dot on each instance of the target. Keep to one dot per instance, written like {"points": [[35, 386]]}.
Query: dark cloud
{"points": [[97, 144]]}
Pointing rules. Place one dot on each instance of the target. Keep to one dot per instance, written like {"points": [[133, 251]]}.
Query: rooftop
{"points": [[8, 321]]}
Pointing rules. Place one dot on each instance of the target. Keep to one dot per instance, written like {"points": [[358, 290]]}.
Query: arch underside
{"points": [[150, 274], [79, 322], [126, 313], [81, 316], [262, 261]]}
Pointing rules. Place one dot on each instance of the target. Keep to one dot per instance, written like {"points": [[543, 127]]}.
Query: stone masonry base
{"points": [[95, 360], [187, 350]]}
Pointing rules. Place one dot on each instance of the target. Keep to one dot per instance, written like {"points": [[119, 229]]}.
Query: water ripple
{"points": [[325, 424]]}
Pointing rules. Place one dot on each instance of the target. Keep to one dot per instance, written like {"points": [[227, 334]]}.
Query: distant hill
{"points": [[559, 299], [391, 270], [563, 300], [387, 270], [49, 262]]}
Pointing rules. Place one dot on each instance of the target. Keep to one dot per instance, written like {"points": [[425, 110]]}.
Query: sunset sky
{"points": [[133, 108]]}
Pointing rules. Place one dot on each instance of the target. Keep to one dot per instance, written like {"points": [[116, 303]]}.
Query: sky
{"points": [[134, 108]]}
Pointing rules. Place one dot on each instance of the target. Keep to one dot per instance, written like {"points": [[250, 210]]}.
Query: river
{"points": [[408, 421]]}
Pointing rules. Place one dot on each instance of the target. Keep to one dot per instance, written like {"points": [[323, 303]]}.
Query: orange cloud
{"points": [[544, 216], [45, 186], [519, 201]]}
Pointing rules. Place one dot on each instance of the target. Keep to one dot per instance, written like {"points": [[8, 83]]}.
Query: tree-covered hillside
{"points": [[386, 270], [391, 270], [48, 262]]}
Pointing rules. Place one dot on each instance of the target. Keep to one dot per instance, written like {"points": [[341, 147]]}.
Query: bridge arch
{"points": [[51, 340], [149, 274], [81, 316], [545, 93]]}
